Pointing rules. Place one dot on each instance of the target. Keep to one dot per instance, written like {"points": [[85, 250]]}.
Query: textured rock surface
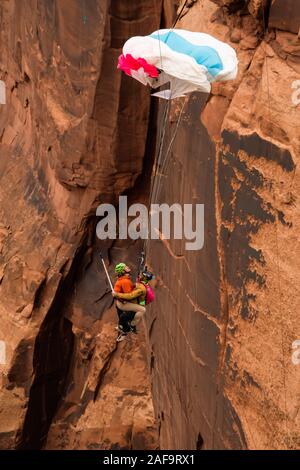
{"points": [[108, 400], [221, 332], [285, 15], [73, 133]]}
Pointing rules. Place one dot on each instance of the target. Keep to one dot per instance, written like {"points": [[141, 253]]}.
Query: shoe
{"points": [[121, 337]]}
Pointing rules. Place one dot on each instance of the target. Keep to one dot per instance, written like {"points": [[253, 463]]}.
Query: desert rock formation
{"points": [[221, 333], [74, 132]]}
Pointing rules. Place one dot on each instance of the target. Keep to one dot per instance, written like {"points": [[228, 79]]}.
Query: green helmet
{"points": [[120, 269]]}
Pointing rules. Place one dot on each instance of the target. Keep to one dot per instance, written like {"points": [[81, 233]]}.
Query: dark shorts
{"points": [[130, 315], [124, 319]]}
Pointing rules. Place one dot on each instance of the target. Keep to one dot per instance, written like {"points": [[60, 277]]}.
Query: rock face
{"points": [[222, 329], [107, 403], [74, 133], [285, 15]]}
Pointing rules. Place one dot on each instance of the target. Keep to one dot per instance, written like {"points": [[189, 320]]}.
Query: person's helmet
{"points": [[146, 275], [120, 269]]}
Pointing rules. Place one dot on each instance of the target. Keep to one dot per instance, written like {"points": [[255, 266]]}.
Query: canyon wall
{"points": [[74, 132], [221, 332]]}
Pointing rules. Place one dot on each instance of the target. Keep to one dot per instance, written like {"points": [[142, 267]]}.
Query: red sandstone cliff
{"points": [[68, 141], [222, 330], [74, 133]]}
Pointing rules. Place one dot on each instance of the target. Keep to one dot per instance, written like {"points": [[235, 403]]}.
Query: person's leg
{"points": [[119, 312], [130, 307], [124, 322], [139, 313], [137, 318], [130, 316], [133, 317], [119, 327]]}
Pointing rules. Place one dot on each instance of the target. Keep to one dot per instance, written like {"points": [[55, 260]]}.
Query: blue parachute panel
{"points": [[203, 55]]}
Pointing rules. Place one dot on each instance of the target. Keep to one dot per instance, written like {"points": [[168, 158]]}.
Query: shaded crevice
{"points": [[266, 12], [39, 294], [103, 371], [52, 358], [200, 442], [52, 355], [152, 361], [54, 344], [152, 326]]}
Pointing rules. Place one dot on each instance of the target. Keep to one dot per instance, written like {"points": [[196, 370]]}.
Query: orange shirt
{"points": [[124, 285]]}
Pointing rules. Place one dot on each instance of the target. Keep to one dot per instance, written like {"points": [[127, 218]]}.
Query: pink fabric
{"points": [[128, 63], [150, 297]]}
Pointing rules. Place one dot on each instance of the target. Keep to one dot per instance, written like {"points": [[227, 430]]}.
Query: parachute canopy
{"points": [[189, 61]]}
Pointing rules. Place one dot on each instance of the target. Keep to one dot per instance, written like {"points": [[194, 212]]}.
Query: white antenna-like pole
{"points": [[106, 272]]}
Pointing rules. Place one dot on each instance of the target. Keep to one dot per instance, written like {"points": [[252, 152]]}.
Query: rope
{"points": [[161, 163], [158, 159], [161, 138], [179, 15], [165, 161], [171, 29], [160, 152]]}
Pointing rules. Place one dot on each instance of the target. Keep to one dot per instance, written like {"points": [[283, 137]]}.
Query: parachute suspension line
{"points": [[164, 165], [159, 43], [162, 134], [179, 15], [158, 33], [161, 163], [167, 107], [276, 234], [155, 165], [160, 150], [176, 20], [160, 137]]}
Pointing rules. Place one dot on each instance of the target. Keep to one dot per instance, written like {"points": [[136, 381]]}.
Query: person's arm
{"points": [[137, 292], [117, 286], [123, 287]]}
